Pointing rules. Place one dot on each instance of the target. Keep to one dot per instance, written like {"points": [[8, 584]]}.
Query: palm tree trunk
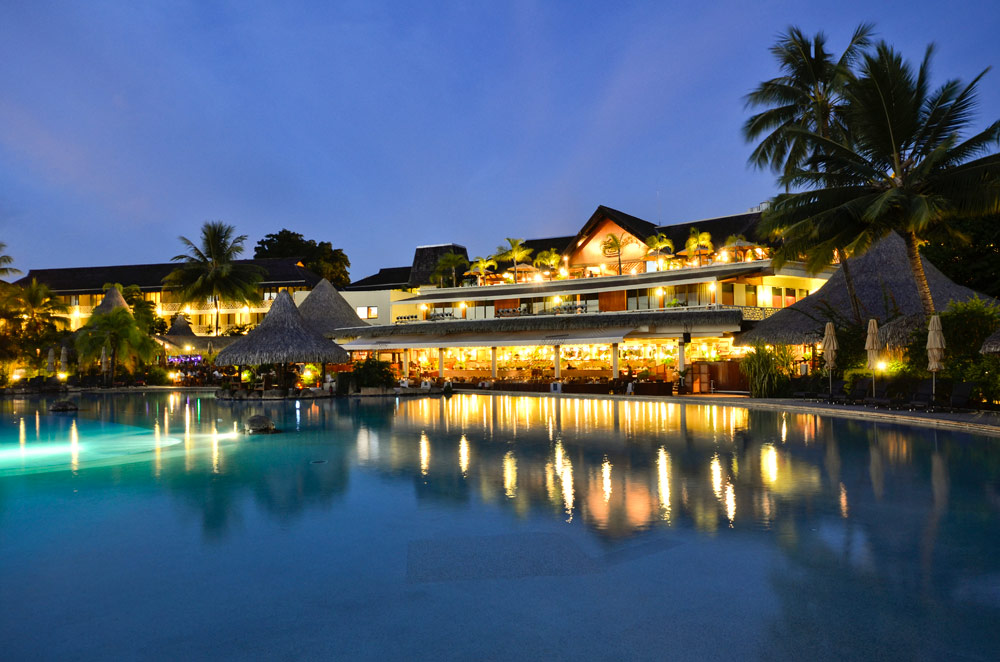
{"points": [[514, 260], [851, 292], [216, 314], [919, 277], [619, 262]]}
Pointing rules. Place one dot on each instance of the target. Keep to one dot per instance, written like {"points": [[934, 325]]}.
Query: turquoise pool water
{"points": [[491, 527]]}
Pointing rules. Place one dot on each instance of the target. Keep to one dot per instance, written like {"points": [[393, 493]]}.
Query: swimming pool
{"points": [[497, 527]]}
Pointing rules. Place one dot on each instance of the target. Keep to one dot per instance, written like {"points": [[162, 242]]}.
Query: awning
{"points": [[501, 339]]}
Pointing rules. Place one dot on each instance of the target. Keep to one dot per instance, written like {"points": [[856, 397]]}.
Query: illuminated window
{"points": [[367, 312]]}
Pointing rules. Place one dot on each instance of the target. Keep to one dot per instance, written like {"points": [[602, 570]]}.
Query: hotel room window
{"points": [[367, 312]]}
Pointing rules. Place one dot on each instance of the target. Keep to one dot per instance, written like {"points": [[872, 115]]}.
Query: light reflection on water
{"points": [[871, 514]]}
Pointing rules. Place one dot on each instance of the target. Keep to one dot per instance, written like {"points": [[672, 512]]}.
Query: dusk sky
{"points": [[382, 126]]}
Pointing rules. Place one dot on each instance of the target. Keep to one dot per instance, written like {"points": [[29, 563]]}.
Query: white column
{"points": [[557, 362], [406, 363], [493, 362], [440, 361], [614, 360], [680, 355]]}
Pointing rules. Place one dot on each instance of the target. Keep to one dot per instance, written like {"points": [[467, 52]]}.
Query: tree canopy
{"points": [[319, 257]]}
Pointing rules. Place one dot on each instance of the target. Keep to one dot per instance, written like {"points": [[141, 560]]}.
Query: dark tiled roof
{"points": [[279, 272], [537, 246], [387, 278], [720, 228], [425, 260]]}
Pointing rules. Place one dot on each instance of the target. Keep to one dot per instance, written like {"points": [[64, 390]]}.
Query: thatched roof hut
{"points": [[112, 299], [325, 310], [992, 344], [886, 292], [180, 327], [282, 337]]}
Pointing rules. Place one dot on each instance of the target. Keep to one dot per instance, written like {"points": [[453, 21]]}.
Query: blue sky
{"points": [[381, 126]]}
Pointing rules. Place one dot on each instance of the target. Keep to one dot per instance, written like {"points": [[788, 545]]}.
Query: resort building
{"points": [[82, 289], [608, 300]]}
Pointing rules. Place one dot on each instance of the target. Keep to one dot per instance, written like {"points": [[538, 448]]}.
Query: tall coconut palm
{"points": [[117, 333], [807, 96], [548, 258], [481, 265], [210, 272], [5, 262], [515, 252], [907, 168], [451, 262]]}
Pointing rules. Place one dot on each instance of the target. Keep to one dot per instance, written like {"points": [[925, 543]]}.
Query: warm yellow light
{"points": [[187, 310], [563, 272], [557, 299], [246, 310], [538, 278], [659, 291], [462, 304], [711, 287], [159, 311], [880, 365], [76, 312], [423, 306], [307, 374], [188, 348], [62, 375], [634, 271]]}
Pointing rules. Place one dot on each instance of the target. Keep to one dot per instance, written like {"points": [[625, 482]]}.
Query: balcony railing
{"points": [[206, 308]]}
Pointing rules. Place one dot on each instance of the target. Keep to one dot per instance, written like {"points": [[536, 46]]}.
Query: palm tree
{"points": [[808, 95], [613, 246], [451, 261], [117, 333], [5, 262], [480, 265], [515, 252], [40, 310], [697, 242], [210, 271], [549, 258], [907, 168], [658, 243]]}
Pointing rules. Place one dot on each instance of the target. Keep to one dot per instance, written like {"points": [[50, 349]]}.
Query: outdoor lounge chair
{"points": [[835, 390], [881, 397], [961, 396], [923, 397], [858, 393]]}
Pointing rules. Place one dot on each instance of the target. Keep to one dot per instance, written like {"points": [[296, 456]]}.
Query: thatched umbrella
{"points": [[872, 348], [112, 299], [282, 337], [830, 348], [992, 344], [885, 289], [104, 359], [935, 350], [63, 358], [50, 363], [326, 311]]}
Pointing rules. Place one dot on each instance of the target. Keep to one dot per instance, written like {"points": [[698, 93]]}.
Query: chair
{"points": [[923, 397], [961, 396], [881, 397], [856, 394]]}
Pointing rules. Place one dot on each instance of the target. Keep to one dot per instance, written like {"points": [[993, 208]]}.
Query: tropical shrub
{"points": [[372, 372], [767, 369], [157, 376]]}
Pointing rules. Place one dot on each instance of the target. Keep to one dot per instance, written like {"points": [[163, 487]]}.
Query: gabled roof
{"points": [[425, 261], [387, 278], [631, 224], [279, 272]]}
